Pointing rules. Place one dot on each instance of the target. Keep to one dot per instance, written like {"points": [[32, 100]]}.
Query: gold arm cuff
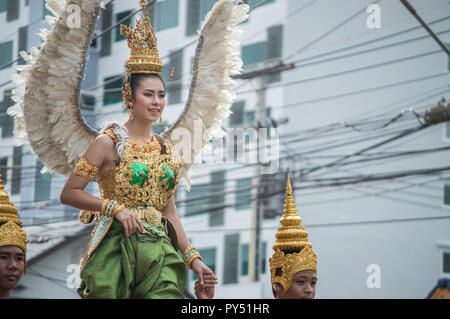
{"points": [[85, 169]]}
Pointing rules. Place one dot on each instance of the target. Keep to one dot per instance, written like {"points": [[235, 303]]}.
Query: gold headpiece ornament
{"points": [[291, 236], [144, 57], [10, 224]]}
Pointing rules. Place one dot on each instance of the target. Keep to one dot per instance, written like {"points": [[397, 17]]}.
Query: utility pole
{"points": [[260, 81]]}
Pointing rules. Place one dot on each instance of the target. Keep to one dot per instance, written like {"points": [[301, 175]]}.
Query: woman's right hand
{"points": [[130, 222]]}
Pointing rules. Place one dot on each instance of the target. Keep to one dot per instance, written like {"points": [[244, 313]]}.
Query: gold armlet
{"points": [[85, 169]]}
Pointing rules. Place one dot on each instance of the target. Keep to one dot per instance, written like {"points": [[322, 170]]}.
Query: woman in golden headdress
{"points": [[133, 251], [13, 245]]}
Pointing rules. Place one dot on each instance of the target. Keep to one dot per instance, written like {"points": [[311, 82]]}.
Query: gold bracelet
{"points": [[192, 258], [104, 203], [187, 250], [118, 210]]}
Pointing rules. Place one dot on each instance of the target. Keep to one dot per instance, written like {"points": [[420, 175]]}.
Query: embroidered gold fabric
{"points": [[291, 236], [116, 183], [85, 169], [110, 133]]}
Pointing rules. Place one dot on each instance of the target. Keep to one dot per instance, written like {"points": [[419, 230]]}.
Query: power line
{"points": [[425, 26], [336, 27]]}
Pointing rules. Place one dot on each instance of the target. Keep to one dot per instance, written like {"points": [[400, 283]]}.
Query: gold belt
{"points": [[150, 214]]}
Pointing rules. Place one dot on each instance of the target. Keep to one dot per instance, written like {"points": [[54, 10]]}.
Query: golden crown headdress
{"points": [[11, 232], [293, 251], [144, 56]]}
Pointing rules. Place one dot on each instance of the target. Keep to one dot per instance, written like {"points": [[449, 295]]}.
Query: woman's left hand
{"points": [[200, 269]]}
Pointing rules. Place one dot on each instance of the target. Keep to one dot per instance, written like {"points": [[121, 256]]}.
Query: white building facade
{"points": [[350, 79]]}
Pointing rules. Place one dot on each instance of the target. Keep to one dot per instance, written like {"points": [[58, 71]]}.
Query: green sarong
{"points": [[141, 266]]}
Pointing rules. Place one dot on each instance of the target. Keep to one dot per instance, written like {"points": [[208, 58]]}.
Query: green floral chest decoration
{"points": [[169, 177], [140, 174]]}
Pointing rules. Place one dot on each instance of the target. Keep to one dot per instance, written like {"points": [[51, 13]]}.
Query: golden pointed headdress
{"points": [[11, 232], [144, 56], [293, 251]]}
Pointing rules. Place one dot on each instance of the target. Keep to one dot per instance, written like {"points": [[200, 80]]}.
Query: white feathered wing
{"points": [[217, 58], [47, 94]]}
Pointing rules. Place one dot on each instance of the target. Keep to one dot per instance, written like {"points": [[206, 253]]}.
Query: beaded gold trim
{"points": [[12, 234], [111, 134], [291, 264], [85, 169], [150, 214]]}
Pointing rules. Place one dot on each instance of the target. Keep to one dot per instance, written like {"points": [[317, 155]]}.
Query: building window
{"points": [[447, 194], [244, 260], [42, 185], [27, 2], [112, 91], [6, 53], [193, 17], [208, 258], [2, 6], [107, 18], [446, 262], [237, 116], [23, 38], [274, 48], [4, 169], [255, 3], [263, 258], [198, 205], [216, 198], [448, 58], [207, 6], [196, 12], [166, 14], [12, 8], [267, 50], [230, 270], [175, 87], [243, 196], [45, 11], [447, 130], [126, 22], [87, 102], [16, 171], [254, 53], [7, 121]]}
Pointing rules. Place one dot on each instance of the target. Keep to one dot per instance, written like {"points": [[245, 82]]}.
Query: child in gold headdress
{"points": [[13, 245], [293, 266]]}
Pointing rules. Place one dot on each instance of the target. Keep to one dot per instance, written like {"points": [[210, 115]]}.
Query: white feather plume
{"points": [[47, 89], [211, 93]]}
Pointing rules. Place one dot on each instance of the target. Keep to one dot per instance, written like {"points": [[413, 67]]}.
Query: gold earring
{"points": [[131, 112], [160, 119]]}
